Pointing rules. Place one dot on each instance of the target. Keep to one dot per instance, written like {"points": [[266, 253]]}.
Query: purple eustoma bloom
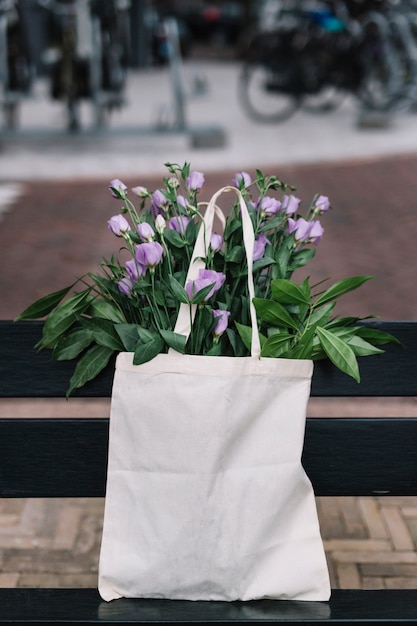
{"points": [[321, 205], [118, 225], [222, 321], [179, 224], [305, 231], [290, 204], [216, 242], [159, 203], [241, 180], [259, 248], [125, 286], [181, 200], [301, 229], [117, 188], [269, 206], [135, 269], [195, 181], [316, 232], [145, 231], [205, 278], [149, 254]]}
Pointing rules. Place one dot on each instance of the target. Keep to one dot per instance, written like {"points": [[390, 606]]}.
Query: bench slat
{"points": [[68, 457], [82, 606], [26, 373]]}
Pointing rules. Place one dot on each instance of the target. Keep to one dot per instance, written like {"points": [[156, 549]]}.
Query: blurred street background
{"points": [[92, 91]]}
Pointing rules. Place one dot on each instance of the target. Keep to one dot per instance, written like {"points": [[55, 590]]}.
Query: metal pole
{"points": [[175, 63]]}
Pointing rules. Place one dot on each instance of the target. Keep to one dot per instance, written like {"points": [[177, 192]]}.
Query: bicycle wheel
{"points": [[326, 100], [263, 93], [382, 84]]}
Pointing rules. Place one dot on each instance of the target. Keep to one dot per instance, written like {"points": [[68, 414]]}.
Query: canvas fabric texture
{"points": [[206, 495]]}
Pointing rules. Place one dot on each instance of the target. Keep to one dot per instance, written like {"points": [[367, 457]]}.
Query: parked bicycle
{"points": [[16, 70], [315, 55], [88, 55]]}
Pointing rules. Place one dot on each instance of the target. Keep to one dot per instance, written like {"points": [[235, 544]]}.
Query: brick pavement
{"points": [[56, 231]]}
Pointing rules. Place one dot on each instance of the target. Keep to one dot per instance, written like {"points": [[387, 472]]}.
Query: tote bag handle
{"points": [[184, 319]]}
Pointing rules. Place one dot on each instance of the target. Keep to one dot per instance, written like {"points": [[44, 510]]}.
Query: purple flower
{"points": [[179, 224], [222, 321], [301, 229], [205, 278], [321, 205], [304, 231], [259, 248], [241, 180], [216, 242], [290, 204], [159, 203], [125, 286], [146, 232], [269, 206], [195, 181], [135, 269], [117, 188], [149, 254], [316, 231], [118, 225], [181, 201]]}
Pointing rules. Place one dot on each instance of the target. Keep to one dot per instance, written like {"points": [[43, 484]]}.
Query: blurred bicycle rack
{"points": [[87, 65]]}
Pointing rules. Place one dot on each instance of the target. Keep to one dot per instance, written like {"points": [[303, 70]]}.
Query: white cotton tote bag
{"points": [[206, 496]]}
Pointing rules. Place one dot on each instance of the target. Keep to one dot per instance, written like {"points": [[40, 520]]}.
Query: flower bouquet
{"points": [[206, 496], [133, 303]]}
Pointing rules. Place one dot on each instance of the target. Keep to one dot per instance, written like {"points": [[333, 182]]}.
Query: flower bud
{"points": [[142, 192], [149, 254], [222, 321], [195, 181], [160, 224], [146, 232], [241, 180], [118, 225], [118, 189]]}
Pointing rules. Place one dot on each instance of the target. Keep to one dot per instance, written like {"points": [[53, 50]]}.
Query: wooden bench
{"points": [[343, 457]]}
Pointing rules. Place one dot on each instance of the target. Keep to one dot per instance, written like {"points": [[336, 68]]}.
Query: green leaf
{"points": [[104, 332], [129, 336], [276, 345], [341, 355], [235, 254], [44, 305], [72, 345], [215, 350], [62, 318], [376, 337], [245, 333], [107, 310], [321, 316], [202, 294], [178, 290], [89, 366], [287, 292], [340, 288], [261, 263], [147, 351], [174, 340], [274, 313], [174, 238], [363, 348], [147, 334], [301, 258]]}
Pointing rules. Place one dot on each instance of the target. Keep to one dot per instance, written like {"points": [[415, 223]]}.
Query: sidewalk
{"points": [[136, 142]]}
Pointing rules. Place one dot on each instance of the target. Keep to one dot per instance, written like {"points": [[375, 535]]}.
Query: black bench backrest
{"points": [[68, 457]]}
